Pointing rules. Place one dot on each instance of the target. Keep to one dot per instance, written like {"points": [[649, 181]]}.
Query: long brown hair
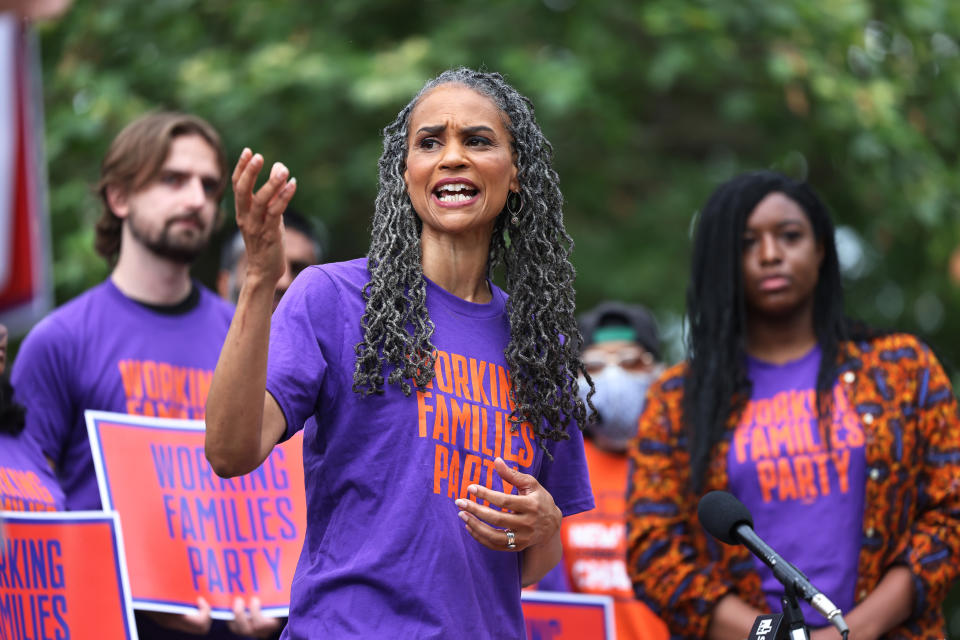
{"points": [[134, 159]]}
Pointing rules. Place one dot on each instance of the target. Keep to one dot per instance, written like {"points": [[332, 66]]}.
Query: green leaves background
{"points": [[649, 104]]}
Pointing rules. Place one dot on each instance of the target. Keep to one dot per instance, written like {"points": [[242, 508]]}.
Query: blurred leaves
{"points": [[649, 105]]}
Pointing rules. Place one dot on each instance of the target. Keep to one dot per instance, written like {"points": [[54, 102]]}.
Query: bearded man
{"points": [[146, 340]]}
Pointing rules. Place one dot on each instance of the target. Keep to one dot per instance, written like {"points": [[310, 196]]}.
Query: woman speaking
{"points": [[445, 446]]}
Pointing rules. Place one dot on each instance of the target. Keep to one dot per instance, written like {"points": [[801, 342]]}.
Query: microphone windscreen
{"points": [[720, 513]]}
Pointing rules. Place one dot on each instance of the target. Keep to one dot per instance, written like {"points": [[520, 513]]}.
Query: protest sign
{"points": [[62, 576], [190, 533], [567, 616]]}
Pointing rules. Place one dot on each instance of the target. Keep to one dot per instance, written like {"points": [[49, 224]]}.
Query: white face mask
{"points": [[619, 400]]}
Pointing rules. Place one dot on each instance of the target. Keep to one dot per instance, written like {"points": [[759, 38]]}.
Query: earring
{"points": [[514, 206]]}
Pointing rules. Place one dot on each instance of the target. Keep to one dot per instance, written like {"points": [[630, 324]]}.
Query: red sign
{"points": [[190, 533], [567, 616], [62, 576]]}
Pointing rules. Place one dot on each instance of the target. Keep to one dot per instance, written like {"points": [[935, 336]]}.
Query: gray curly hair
{"points": [[545, 343]]}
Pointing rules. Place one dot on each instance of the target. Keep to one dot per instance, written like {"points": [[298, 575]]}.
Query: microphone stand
{"points": [[793, 616], [786, 626]]}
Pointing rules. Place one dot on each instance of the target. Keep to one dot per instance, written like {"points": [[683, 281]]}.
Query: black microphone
{"points": [[726, 519]]}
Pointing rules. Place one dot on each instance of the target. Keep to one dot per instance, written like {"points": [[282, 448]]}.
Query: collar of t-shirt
{"points": [[177, 308]]}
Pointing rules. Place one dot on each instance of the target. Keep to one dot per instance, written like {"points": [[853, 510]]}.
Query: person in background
{"points": [[302, 247], [841, 440], [622, 355], [28, 481], [161, 182]]}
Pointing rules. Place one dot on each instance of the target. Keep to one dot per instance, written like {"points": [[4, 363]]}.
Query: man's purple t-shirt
{"points": [[26, 481], [806, 498], [385, 553], [105, 351]]}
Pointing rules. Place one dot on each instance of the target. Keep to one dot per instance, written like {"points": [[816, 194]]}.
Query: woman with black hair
{"points": [[27, 482], [445, 446], [842, 441]]}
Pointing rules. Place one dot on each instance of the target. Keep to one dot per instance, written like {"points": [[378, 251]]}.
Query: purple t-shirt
{"points": [[105, 351], [806, 498], [385, 554], [27, 482]]}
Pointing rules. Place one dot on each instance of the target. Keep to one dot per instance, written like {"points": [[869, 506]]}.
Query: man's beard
{"points": [[167, 245]]}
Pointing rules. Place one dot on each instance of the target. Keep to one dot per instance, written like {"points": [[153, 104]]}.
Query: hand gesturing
{"points": [[260, 214], [531, 516]]}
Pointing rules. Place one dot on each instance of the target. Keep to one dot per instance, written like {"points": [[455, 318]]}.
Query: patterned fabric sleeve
{"points": [[932, 548], [671, 569]]}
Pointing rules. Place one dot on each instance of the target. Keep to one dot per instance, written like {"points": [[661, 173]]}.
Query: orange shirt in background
{"points": [[594, 548]]}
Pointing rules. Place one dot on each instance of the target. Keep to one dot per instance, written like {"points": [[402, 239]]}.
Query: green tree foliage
{"points": [[649, 104]]}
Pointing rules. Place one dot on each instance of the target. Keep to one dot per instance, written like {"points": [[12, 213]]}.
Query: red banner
{"points": [[25, 290], [62, 576], [190, 533], [553, 615]]}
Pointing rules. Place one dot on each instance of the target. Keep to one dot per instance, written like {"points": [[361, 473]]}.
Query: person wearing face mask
{"points": [[622, 356]]}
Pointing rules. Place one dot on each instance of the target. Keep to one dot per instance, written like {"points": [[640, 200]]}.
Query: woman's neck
{"points": [[780, 340], [458, 264]]}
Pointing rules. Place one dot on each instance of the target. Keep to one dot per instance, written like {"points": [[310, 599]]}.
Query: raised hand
{"points": [[531, 516], [260, 214]]}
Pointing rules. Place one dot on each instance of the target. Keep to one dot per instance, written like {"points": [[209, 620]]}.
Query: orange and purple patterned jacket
{"points": [[911, 507]]}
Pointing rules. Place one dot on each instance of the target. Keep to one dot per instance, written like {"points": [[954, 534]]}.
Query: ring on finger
{"points": [[511, 539]]}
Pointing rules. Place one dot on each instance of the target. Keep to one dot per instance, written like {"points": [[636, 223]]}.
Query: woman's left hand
{"points": [[531, 515]]}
